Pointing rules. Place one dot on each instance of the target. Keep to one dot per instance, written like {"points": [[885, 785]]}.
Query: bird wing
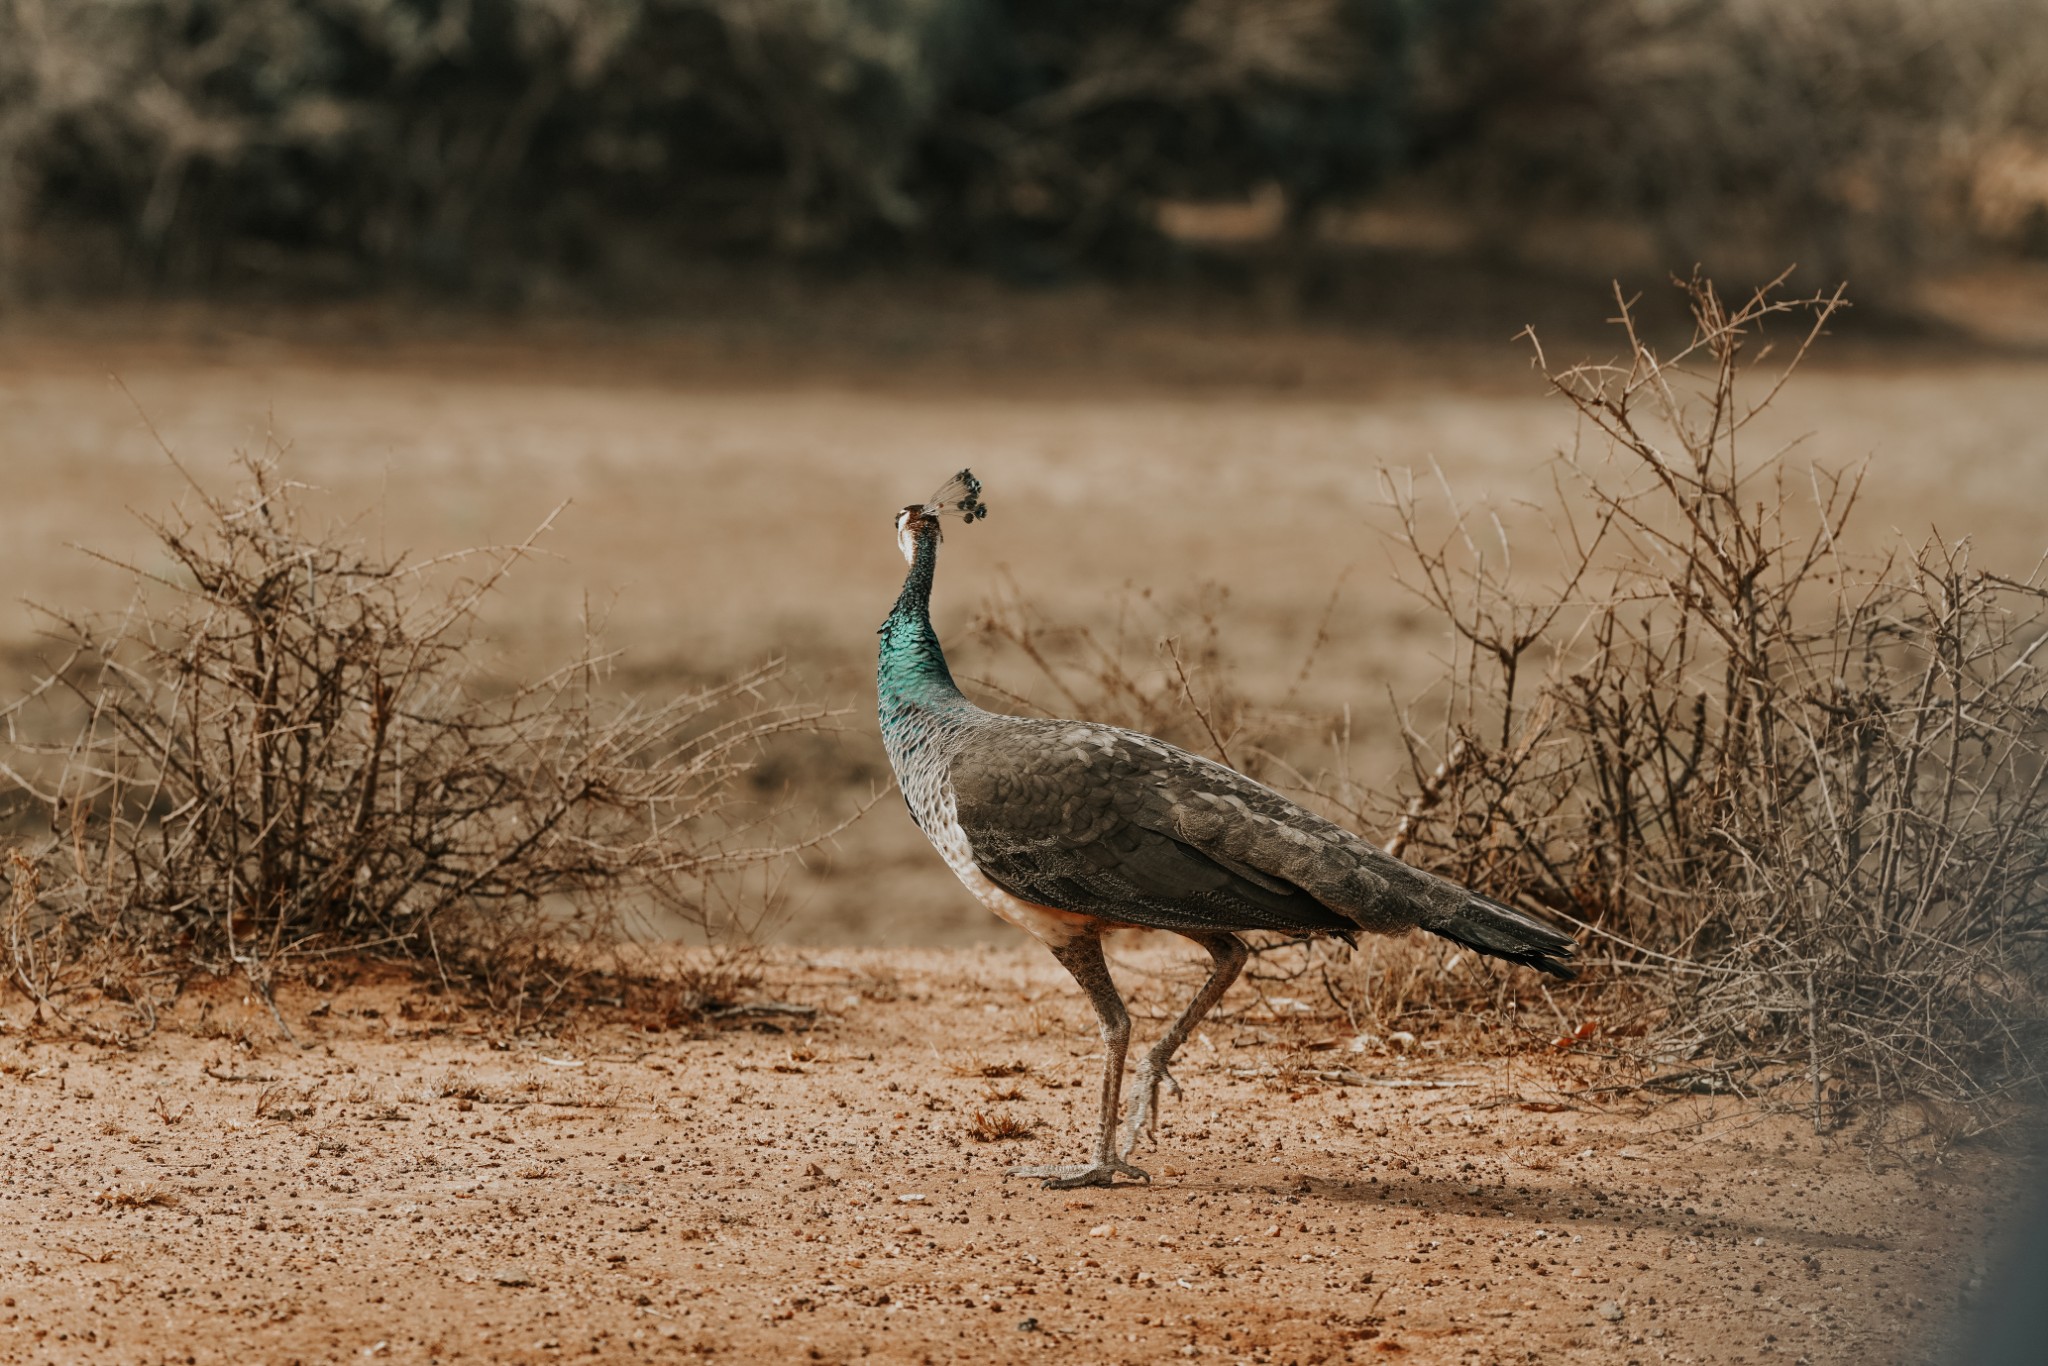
{"points": [[1110, 823]]}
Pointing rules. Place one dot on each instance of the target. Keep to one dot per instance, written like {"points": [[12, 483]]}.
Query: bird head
{"points": [[959, 497]]}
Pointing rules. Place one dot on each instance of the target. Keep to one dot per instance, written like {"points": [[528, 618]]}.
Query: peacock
{"points": [[1068, 829]]}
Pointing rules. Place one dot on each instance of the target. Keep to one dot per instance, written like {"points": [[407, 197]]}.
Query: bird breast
{"points": [[938, 812]]}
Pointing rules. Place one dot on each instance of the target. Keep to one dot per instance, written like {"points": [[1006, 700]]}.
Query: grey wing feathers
{"points": [[1099, 820], [1082, 818], [1114, 824]]}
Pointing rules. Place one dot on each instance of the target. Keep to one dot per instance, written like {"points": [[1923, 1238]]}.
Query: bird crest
{"points": [[959, 497]]}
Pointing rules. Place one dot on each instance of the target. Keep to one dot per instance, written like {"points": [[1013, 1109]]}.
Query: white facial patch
{"points": [[904, 540]]}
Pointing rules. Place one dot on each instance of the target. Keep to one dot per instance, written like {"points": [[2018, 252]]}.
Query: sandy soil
{"points": [[401, 1183]]}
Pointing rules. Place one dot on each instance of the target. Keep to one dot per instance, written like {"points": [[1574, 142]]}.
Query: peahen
{"points": [[1067, 829]]}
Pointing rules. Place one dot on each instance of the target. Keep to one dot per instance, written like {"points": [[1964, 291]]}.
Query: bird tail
{"points": [[1490, 928]]}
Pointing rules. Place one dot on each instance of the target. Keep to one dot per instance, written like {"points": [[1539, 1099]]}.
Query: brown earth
{"points": [[403, 1182]]}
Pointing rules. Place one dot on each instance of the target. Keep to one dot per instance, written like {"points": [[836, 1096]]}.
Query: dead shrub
{"points": [[1795, 791], [288, 747]]}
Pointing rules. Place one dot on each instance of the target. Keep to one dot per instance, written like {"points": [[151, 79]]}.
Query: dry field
{"points": [[400, 1182], [730, 496]]}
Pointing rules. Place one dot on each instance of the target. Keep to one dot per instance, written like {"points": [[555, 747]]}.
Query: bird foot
{"points": [[1144, 1113], [1096, 1174]]}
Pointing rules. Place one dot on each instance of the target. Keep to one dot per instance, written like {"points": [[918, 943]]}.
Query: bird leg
{"points": [[1230, 954], [1082, 956]]}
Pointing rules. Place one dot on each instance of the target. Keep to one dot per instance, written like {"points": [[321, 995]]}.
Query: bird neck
{"points": [[912, 668]]}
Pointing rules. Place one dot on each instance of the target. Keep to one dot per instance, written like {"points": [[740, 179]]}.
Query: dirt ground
{"points": [[399, 1182]]}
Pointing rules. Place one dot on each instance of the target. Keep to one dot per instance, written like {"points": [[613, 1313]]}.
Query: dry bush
{"points": [[1797, 790], [289, 747]]}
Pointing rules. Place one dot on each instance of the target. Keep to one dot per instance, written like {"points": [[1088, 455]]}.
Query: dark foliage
{"points": [[486, 145], [445, 142]]}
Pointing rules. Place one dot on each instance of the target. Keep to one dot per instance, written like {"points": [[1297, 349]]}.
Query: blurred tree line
{"points": [[468, 144]]}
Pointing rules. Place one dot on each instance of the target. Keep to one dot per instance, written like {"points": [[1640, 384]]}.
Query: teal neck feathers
{"points": [[911, 674]]}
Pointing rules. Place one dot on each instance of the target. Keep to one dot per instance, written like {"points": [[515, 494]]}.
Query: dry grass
{"points": [[146, 1196], [286, 1104], [998, 1126], [977, 1067]]}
